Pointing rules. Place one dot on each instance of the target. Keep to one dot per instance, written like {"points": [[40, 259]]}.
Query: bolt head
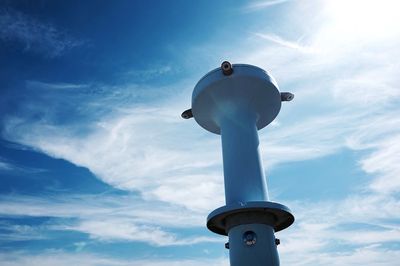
{"points": [[226, 68], [249, 238]]}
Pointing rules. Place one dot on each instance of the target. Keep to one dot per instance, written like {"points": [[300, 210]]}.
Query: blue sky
{"points": [[98, 168]]}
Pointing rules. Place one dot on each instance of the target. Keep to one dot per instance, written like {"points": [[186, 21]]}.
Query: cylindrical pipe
{"points": [[243, 171], [252, 244], [252, 239]]}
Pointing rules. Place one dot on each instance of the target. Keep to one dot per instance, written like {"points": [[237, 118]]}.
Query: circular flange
{"points": [[247, 89], [283, 218]]}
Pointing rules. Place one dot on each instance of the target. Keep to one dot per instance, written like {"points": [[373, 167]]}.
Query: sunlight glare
{"points": [[364, 19]]}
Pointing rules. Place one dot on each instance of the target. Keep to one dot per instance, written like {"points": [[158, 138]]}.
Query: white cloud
{"points": [[370, 88], [12, 168], [96, 207], [380, 134], [34, 35], [38, 85], [312, 138], [104, 218], [5, 166], [285, 43], [384, 164], [342, 229], [258, 5], [60, 258], [111, 229], [151, 73], [369, 256], [140, 149], [16, 232]]}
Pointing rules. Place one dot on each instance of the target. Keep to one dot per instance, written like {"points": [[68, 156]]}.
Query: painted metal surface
{"points": [[236, 101], [261, 251]]}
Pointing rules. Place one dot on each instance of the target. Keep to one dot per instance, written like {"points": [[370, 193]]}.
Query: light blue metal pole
{"points": [[235, 102], [244, 175]]}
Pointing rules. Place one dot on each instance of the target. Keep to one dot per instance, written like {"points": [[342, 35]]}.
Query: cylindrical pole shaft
{"points": [[245, 181], [243, 171], [262, 253]]}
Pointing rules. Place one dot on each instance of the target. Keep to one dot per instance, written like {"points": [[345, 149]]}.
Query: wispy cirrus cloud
{"points": [[257, 5], [85, 206], [11, 168], [369, 255], [104, 218], [16, 232], [285, 43], [5, 165], [380, 135], [117, 230], [62, 258], [143, 143], [151, 73], [34, 35], [343, 229]]}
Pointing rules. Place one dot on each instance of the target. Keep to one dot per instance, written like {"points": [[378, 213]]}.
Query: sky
{"points": [[98, 168]]}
